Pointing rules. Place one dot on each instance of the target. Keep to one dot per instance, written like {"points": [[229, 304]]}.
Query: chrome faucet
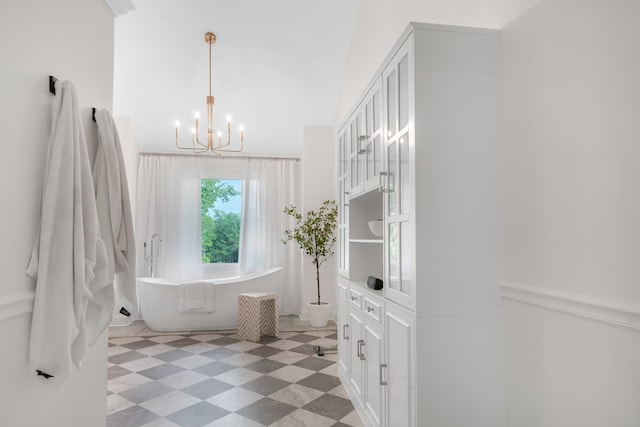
{"points": [[151, 260]]}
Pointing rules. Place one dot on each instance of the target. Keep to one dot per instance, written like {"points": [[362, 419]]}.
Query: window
{"points": [[220, 206]]}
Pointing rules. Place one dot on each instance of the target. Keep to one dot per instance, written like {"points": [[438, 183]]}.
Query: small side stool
{"points": [[257, 315]]}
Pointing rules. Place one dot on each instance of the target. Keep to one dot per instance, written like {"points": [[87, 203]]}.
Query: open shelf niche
{"points": [[365, 249]]}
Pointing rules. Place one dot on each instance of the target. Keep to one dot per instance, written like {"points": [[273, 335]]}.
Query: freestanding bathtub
{"points": [[159, 301]]}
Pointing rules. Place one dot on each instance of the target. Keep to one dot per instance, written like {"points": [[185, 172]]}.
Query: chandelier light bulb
{"points": [[197, 115], [177, 123]]}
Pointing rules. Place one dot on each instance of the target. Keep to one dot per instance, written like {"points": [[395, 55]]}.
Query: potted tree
{"points": [[314, 234]]}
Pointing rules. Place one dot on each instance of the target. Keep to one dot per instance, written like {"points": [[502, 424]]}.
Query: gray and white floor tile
{"points": [[214, 379]]}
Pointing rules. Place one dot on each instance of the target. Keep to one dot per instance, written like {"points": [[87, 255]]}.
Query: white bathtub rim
{"points": [[162, 281]]}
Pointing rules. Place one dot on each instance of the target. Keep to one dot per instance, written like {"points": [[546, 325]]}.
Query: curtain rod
{"points": [[242, 157]]}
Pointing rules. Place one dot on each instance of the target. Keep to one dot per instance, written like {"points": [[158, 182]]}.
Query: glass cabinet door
{"points": [[343, 204], [397, 182], [355, 154], [372, 137]]}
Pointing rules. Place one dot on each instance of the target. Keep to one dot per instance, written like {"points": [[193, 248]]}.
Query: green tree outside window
{"points": [[220, 201]]}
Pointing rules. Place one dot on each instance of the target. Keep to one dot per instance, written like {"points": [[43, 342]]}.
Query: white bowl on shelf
{"points": [[376, 227]]}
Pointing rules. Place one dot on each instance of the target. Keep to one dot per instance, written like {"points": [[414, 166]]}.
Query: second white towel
{"points": [[196, 297]]}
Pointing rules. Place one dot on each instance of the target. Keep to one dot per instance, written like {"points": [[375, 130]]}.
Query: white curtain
{"points": [[168, 204], [270, 186]]}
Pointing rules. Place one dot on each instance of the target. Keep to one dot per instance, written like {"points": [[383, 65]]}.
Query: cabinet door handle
{"points": [[361, 349], [353, 298], [370, 309], [344, 331], [360, 139], [382, 382], [380, 184]]}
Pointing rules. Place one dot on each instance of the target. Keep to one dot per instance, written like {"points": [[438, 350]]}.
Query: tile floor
{"points": [[214, 379]]}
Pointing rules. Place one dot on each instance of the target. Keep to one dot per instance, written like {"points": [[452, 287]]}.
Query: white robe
{"points": [[114, 212], [69, 259]]}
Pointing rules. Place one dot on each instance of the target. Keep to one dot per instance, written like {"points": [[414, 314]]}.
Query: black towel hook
{"points": [[52, 90], [52, 85]]}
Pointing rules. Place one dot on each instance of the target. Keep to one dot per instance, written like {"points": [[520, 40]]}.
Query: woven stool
{"points": [[257, 315]]}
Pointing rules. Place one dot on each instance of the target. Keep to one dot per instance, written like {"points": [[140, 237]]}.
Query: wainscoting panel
{"points": [[605, 311], [15, 304]]}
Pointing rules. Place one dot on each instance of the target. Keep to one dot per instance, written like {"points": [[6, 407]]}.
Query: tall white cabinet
{"points": [[420, 151]]}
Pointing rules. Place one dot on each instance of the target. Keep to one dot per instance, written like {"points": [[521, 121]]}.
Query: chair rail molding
{"points": [[587, 306], [119, 7], [15, 304]]}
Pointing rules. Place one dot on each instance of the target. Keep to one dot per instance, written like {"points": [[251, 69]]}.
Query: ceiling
{"points": [[277, 66]]}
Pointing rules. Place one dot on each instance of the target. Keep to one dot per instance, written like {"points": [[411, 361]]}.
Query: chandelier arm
{"points": [[192, 149], [230, 150], [197, 141]]}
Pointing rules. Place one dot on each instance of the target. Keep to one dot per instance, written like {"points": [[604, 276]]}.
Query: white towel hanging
{"points": [[69, 260]]}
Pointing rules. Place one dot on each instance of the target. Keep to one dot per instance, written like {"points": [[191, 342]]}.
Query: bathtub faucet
{"points": [[151, 260]]}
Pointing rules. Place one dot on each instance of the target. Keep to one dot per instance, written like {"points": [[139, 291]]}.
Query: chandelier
{"points": [[213, 145]]}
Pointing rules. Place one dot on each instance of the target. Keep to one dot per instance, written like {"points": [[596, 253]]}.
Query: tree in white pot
{"points": [[314, 234]]}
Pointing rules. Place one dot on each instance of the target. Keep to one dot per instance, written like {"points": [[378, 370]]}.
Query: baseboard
{"points": [[121, 320], [609, 312], [16, 304]]}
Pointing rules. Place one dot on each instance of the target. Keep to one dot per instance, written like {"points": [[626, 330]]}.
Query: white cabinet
{"points": [[362, 139], [371, 137], [398, 184], [439, 256], [373, 355], [356, 322], [398, 371], [343, 204], [356, 179], [363, 349], [342, 321]]}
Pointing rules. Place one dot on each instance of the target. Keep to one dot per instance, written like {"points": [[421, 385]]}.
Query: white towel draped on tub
{"points": [[72, 301], [114, 211], [196, 296]]}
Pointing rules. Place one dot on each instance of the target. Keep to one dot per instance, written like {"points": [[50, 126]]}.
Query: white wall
{"points": [[571, 156], [379, 23], [319, 184], [71, 39], [130, 154]]}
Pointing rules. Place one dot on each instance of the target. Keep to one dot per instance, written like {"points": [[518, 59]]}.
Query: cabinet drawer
{"points": [[373, 309], [355, 298]]}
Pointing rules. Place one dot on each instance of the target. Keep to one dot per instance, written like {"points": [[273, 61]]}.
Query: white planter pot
{"points": [[319, 314]]}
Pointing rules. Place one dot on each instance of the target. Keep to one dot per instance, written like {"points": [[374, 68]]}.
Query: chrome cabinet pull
{"points": [[353, 298], [344, 331], [380, 184], [361, 349], [382, 382], [360, 139]]}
